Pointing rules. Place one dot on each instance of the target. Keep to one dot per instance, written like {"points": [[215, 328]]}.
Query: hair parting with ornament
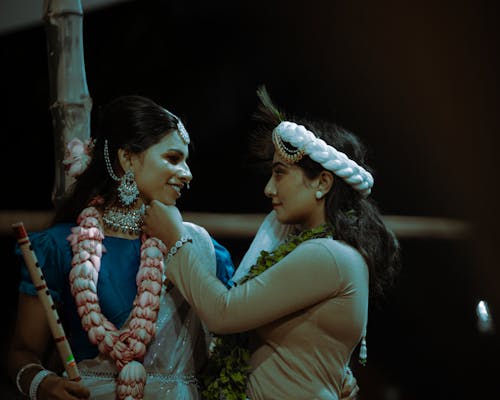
{"points": [[181, 130]]}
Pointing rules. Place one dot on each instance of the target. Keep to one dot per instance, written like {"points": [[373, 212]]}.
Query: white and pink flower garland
{"points": [[126, 346]]}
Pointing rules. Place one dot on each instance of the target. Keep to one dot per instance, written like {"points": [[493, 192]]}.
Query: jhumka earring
{"points": [[127, 190]]}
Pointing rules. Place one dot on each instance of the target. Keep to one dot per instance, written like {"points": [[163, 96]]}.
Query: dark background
{"points": [[416, 81]]}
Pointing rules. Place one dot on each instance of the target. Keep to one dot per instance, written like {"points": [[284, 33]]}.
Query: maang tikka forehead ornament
{"points": [[181, 130], [306, 143]]}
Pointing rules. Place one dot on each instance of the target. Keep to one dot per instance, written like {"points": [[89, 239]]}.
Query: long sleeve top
{"points": [[307, 314]]}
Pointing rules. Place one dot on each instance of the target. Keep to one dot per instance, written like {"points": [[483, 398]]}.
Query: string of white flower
{"points": [[328, 156]]}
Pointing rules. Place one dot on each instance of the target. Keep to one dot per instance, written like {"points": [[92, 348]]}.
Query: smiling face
{"points": [[293, 195], [161, 171]]}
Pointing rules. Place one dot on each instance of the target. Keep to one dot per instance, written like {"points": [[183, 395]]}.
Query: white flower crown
{"points": [[306, 143]]}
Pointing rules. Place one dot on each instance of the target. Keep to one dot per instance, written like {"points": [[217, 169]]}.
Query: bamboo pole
{"points": [[69, 99]]}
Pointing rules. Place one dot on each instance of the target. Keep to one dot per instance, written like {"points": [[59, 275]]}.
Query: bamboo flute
{"points": [[56, 327]]}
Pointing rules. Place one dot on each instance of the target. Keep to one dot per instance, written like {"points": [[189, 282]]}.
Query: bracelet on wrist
{"points": [[37, 380], [175, 248], [20, 373]]}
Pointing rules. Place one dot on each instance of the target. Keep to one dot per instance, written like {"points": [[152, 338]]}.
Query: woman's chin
{"points": [[286, 220], [281, 218], [170, 197]]}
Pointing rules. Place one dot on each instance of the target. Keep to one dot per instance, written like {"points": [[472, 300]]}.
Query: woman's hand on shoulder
{"points": [[54, 387], [163, 221]]}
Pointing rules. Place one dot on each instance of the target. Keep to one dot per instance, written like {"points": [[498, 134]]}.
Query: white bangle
{"points": [[177, 246], [20, 374], [37, 379]]}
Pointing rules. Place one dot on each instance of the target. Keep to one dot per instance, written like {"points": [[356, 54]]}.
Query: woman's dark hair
{"points": [[357, 220], [133, 123]]}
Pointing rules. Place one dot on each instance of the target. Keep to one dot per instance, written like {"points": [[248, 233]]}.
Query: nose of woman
{"points": [[270, 188], [184, 174]]}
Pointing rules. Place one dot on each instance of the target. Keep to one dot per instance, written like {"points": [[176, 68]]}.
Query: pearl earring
{"points": [[319, 195]]}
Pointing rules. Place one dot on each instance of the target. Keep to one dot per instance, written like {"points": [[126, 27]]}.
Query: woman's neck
{"points": [[120, 234], [313, 222], [122, 222]]}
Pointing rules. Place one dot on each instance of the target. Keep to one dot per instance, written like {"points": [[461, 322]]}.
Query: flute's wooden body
{"points": [[56, 327]]}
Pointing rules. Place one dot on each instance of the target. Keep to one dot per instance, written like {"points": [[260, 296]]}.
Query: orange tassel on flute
{"points": [[48, 304]]}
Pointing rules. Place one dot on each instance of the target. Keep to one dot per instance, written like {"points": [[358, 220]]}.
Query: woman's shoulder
{"points": [[53, 254], [60, 229], [55, 235], [193, 229], [339, 259], [204, 245], [343, 253], [198, 232]]}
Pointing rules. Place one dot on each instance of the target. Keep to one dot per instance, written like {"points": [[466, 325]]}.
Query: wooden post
{"points": [[70, 102]]}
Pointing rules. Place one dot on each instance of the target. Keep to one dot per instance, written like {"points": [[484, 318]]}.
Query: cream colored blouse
{"points": [[307, 313]]}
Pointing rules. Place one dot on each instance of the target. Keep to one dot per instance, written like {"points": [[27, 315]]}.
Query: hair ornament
{"points": [[181, 130], [291, 156], [107, 161], [77, 156], [306, 143]]}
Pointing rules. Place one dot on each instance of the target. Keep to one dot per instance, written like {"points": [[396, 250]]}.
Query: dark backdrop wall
{"points": [[417, 82]]}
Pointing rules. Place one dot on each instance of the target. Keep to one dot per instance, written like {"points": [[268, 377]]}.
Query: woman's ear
{"points": [[125, 159], [325, 181]]}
